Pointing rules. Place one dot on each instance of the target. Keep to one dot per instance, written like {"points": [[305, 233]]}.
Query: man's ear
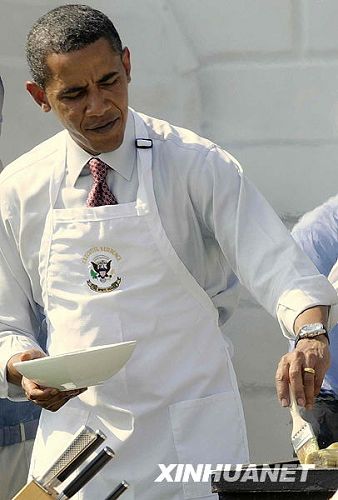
{"points": [[39, 96], [126, 62]]}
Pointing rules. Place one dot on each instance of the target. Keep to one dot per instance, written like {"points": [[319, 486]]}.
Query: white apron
{"points": [[179, 384]]}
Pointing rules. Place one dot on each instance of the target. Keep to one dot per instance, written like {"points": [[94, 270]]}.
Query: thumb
{"points": [[32, 354]]}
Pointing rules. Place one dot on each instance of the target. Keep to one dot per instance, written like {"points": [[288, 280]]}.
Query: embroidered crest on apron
{"points": [[102, 265]]}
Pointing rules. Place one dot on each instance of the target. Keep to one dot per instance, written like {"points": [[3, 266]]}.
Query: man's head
{"points": [[81, 72]]}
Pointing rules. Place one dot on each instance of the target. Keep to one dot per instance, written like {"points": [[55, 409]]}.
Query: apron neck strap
{"points": [[59, 170]]}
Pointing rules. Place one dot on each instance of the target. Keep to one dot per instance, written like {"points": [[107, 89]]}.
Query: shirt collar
{"points": [[122, 159]]}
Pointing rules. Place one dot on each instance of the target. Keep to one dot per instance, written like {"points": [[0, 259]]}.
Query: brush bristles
{"points": [[309, 447]]}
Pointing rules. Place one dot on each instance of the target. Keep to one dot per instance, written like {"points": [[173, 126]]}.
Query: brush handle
{"points": [[294, 406], [297, 419], [303, 438]]}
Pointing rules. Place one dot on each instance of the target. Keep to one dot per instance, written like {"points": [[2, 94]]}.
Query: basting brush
{"points": [[303, 438]]}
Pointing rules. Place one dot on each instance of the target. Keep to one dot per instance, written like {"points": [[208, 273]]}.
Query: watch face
{"points": [[315, 327], [310, 331]]}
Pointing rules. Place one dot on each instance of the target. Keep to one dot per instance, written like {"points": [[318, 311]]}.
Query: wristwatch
{"points": [[311, 331]]}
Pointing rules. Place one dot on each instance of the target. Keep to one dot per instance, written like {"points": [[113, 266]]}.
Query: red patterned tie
{"points": [[99, 194]]}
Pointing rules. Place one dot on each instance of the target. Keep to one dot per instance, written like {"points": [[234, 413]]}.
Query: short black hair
{"points": [[66, 29]]}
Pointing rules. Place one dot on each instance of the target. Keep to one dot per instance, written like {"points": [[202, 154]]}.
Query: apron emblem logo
{"points": [[102, 263]]}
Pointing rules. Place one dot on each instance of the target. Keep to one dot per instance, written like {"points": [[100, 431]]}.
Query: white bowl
{"points": [[74, 370]]}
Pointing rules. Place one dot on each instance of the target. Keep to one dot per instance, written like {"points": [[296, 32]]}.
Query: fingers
{"points": [[60, 399], [65, 396], [311, 354], [290, 372], [47, 397], [309, 387], [316, 357], [54, 402], [32, 354], [296, 378], [12, 373], [34, 392], [310, 379], [282, 381]]}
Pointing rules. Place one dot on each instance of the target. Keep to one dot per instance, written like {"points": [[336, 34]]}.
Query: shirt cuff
{"points": [[292, 303], [9, 346]]}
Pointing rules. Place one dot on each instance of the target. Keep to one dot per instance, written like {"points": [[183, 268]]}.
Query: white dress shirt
{"points": [[1, 106], [215, 219]]}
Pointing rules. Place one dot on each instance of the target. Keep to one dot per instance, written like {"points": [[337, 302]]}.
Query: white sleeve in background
{"points": [[258, 246], [333, 278], [19, 325]]}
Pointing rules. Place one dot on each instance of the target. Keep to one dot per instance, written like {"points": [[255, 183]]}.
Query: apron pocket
{"points": [[209, 430]]}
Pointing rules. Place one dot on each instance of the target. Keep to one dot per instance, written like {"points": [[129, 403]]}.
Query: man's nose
{"points": [[96, 104]]}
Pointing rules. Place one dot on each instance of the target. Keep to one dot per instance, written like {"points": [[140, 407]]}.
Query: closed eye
{"points": [[109, 83], [109, 79]]}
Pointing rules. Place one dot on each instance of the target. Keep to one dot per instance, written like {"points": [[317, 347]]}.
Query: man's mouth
{"points": [[103, 126]]}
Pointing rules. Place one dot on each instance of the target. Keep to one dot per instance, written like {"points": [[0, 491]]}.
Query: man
{"points": [[173, 256], [18, 425], [317, 235]]}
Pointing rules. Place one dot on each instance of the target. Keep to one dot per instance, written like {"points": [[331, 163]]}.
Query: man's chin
{"points": [[109, 142], [111, 146], [103, 145]]}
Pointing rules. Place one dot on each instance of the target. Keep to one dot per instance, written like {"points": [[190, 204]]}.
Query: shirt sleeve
{"points": [[257, 245], [19, 318]]}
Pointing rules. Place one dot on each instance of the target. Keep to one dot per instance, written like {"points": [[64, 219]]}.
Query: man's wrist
{"points": [[317, 314], [321, 339], [12, 374]]}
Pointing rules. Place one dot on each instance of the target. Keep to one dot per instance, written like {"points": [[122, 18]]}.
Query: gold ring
{"points": [[310, 370]]}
